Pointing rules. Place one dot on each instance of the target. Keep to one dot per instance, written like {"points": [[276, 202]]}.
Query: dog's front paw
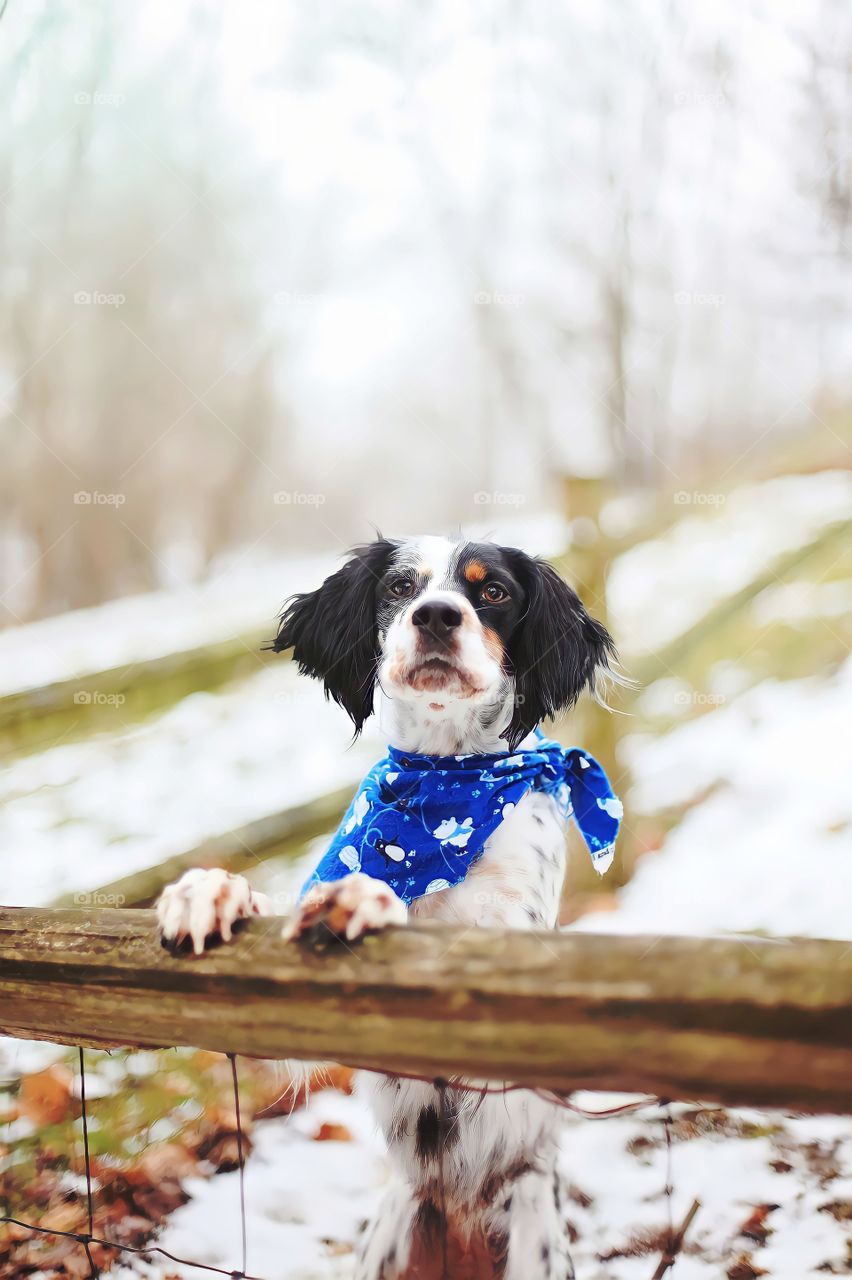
{"points": [[348, 908], [205, 904]]}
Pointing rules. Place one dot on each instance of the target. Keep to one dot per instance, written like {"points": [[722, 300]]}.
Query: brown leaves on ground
{"points": [[816, 1161], [745, 1268], [46, 1096], [642, 1244], [130, 1203], [755, 1226], [134, 1189], [840, 1210]]}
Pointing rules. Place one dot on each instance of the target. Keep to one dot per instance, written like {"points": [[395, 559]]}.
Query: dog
{"points": [[468, 646]]}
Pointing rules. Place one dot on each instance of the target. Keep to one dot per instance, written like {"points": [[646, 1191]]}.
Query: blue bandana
{"points": [[420, 822]]}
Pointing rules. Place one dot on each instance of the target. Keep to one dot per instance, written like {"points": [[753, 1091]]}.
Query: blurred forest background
{"points": [[577, 277], [381, 259]]}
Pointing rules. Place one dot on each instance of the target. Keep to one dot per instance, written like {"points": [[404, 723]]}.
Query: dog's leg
{"points": [[204, 904], [384, 1252], [521, 1237], [348, 908], [536, 1230]]}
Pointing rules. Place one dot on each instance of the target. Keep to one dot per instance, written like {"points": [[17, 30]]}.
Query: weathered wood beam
{"points": [[110, 699], [671, 657], [759, 1022]]}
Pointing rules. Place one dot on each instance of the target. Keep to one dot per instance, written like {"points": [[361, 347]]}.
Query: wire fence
{"points": [[88, 1238], [672, 1245]]}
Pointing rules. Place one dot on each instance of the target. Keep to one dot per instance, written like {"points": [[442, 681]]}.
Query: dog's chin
{"points": [[437, 676], [439, 679]]}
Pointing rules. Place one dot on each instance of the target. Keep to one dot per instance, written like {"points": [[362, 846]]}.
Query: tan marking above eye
{"points": [[475, 572]]}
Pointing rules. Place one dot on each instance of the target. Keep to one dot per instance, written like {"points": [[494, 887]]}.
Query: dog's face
{"points": [[446, 614], [447, 624]]}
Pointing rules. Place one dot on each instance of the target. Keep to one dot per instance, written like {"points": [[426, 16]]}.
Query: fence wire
{"points": [[88, 1238]]}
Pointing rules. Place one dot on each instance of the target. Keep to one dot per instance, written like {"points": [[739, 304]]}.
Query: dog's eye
{"points": [[493, 593], [402, 588]]}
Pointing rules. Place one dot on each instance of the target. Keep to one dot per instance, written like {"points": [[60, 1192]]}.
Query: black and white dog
{"points": [[470, 645]]}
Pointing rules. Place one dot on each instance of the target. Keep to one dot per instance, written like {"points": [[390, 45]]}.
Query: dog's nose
{"points": [[438, 619]]}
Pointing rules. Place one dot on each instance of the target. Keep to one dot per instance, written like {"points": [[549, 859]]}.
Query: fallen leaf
{"points": [[337, 1248], [840, 1210], [166, 1160], [745, 1269], [755, 1226], [45, 1096], [332, 1133], [64, 1217]]}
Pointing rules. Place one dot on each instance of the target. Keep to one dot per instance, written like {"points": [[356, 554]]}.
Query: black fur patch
{"points": [[499, 1178], [333, 631], [430, 1224], [557, 649], [498, 1247], [436, 1131]]}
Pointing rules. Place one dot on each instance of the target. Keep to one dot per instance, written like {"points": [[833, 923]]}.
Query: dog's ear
{"points": [[333, 631], [557, 651]]}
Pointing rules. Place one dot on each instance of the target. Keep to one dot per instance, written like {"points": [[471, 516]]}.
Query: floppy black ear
{"points": [[333, 632], [556, 651]]}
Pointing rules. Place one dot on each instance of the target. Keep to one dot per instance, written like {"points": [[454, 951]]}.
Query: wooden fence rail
{"points": [[753, 1022]]}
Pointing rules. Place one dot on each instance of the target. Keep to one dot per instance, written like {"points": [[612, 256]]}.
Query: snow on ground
{"points": [[654, 592], [144, 627], [620, 1164], [770, 847], [305, 1200], [84, 813], [243, 598]]}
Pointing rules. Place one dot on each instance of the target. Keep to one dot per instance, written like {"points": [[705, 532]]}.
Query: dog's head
{"points": [[443, 624]]}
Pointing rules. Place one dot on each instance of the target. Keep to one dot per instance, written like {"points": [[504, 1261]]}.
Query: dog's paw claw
{"points": [[203, 905], [348, 909]]}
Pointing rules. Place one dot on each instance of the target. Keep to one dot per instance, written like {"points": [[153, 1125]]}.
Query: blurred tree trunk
{"points": [[586, 564]]}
